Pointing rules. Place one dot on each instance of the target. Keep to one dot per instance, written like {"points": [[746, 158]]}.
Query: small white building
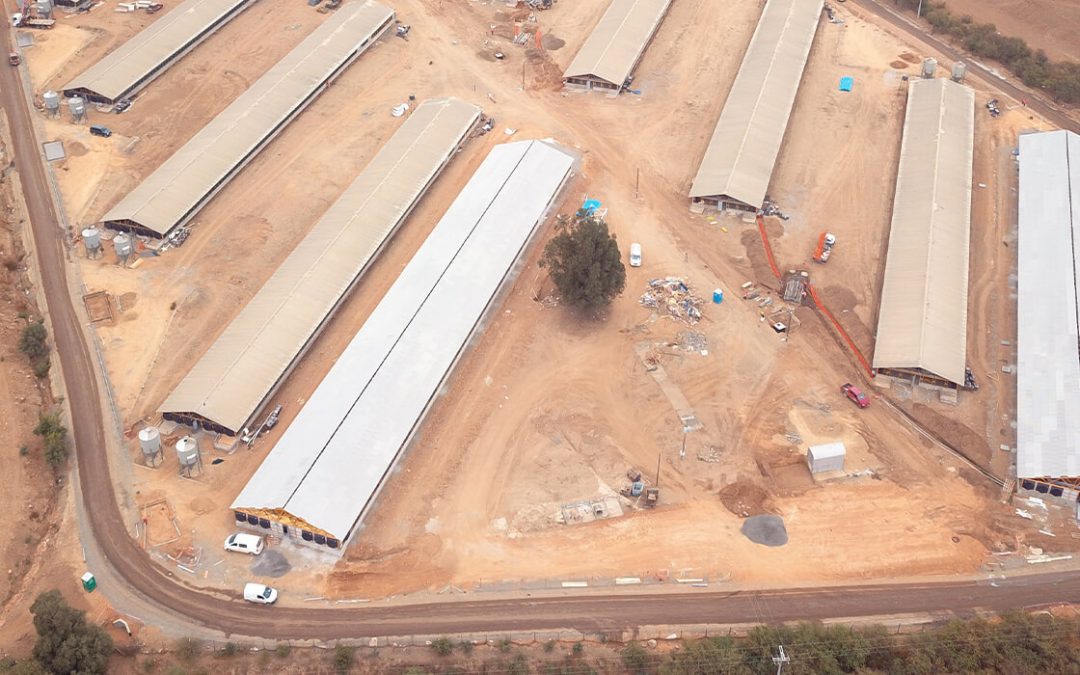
{"points": [[828, 457]]}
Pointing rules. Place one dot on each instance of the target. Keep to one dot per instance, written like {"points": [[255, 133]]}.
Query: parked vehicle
{"points": [[13, 59], [635, 255], [824, 247], [98, 130], [856, 395], [260, 594], [244, 543]]}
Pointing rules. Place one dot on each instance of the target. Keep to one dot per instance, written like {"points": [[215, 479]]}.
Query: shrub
{"points": [[343, 658], [505, 645], [467, 646], [442, 646], [228, 650], [578, 648], [187, 649], [65, 642], [33, 342], [54, 434], [635, 658]]}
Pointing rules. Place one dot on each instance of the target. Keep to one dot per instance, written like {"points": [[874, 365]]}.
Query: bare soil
{"points": [[547, 408]]}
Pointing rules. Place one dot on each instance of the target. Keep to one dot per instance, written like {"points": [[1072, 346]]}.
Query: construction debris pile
{"points": [[769, 208], [675, 296], [692, 341]]}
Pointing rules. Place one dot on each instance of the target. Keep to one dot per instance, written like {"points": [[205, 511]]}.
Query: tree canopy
{"points": [[65, 642], [584, 262], [54, 435]]}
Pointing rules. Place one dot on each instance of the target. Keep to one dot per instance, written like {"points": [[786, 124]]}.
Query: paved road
{"points": [[588, 612], [1037, 102]]}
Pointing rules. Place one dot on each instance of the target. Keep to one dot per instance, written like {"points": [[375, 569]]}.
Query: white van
{"points": [[635, 255], [244, 543], [260, 594]]}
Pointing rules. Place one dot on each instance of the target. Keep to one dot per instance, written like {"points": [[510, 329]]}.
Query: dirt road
{"points": [[587, 612], [1034, 101]]}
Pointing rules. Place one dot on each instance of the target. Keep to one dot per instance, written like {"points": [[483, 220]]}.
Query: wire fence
{"points": [[653, 635]]}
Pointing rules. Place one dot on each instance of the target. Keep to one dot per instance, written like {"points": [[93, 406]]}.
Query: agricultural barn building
{"points": [[922, 321], [242, 370], [615, 46], [135, 64], [174, 193], [316, 485], [1048, 339], [738, 163]]}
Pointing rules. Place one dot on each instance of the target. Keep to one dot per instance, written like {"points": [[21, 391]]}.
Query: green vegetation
{"points": [[188, 649], [636, 659], [34, 343], [343, 658], [442, 646], [1060, 79], [1017, 643], [584, 262], [65, 642], [54, 435], [283, 649]]}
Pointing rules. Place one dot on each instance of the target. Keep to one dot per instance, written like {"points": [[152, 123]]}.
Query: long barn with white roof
{"points": [[325, 473]]}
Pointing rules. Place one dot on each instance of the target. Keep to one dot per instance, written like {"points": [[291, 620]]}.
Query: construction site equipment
{"points": [[855, 394], [402, 31], [652, 496], [824, 247], [540, 4], [13, 59]]}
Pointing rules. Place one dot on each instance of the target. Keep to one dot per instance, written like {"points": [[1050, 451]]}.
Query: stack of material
{"points": [[674, 295]]}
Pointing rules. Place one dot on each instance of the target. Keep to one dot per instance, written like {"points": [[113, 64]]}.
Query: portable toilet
{"points": [[89, 583], [717, 296]]}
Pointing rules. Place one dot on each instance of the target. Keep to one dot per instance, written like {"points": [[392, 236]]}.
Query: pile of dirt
{"points": [[745, 499], [767, 530], [270, 563]]}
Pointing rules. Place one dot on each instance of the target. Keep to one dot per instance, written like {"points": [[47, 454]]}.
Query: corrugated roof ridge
{"points": [[151, 31], [941, 115], [404, 328], [225, 372], [309, 53], [599, 59]]}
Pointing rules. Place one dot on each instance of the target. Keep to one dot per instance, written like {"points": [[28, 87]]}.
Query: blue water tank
{"points": [[717, 296]]}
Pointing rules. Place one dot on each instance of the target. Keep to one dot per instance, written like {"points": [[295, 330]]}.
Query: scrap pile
{"points": [[676, 297]]}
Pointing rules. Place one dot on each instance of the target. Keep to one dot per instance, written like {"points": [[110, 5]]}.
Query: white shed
{"points": [[828, 457]]}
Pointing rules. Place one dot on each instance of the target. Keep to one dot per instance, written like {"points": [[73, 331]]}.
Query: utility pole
{"points": [[918, 12], [637, 183], [682, 452], [523, 74], [781, 660]]}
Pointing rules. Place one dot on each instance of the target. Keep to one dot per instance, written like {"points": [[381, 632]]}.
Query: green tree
{"points": [[65, 642], [343, 658], [636, 659], [54, 434], [33, 341], [584, 262], [442, 646]]}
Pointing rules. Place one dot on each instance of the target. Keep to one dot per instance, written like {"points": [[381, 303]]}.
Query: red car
{"points": [[856, 395]]}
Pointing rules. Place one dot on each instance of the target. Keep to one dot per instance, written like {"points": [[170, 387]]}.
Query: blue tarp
{"points": [[846, 83], [590, 205]]}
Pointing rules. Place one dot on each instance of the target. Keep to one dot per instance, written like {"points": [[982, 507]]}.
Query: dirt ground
{"points": [[547, 408], [1050, 25]]}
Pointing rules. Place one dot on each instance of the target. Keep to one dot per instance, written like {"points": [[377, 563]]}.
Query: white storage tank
{"points": [[827, 457], [150, 441], [92, 240], [929, 67], [187, 451], [52, 102], [123, 245], [959, 70], [77, 106]]}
